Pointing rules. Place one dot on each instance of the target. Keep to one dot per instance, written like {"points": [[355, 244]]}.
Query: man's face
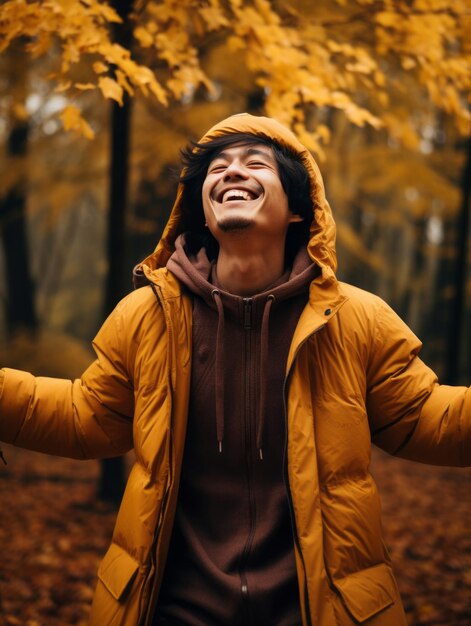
{"points": [[242, 190]]}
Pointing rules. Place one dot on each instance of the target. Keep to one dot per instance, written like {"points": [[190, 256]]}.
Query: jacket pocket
{"points": [[367, 592], [117, 570]]}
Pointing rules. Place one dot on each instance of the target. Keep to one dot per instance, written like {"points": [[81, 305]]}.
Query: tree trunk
{"points": [[20, 306], [116, 285], [112, 480], [459, 303]]}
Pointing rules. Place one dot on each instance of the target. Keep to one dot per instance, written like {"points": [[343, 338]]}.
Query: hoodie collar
{"points": [[193, 268], [195, 271]]}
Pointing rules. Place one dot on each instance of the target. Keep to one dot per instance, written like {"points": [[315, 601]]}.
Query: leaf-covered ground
{"points": [[53, 534]]}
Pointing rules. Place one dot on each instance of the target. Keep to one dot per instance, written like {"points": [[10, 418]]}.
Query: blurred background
{"points": [[96, 101]]}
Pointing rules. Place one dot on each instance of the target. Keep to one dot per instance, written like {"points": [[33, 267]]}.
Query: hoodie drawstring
{"points": [[263, 372], [219, 368], [220, 364]]}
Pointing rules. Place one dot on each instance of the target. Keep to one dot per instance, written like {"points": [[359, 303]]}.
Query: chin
{"points": [[229, 224]]}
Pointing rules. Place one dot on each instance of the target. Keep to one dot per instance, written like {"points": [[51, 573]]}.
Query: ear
{"points": [[294, 217]]}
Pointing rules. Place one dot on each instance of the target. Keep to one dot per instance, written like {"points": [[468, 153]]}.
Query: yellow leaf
{"points": [[144, 78], [361, 68], [177, 86], [102, 8], [408, 63], [72, 119], [84, 86], [388, 18], [235, 43], [111, 89], [265, 10], [152, 27], [144, 37], [99, 67], [123, 81], [158, 92], [214, 17], [63, 86]]}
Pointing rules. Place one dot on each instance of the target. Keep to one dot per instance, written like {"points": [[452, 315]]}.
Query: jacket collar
{"points": [[325, 299]]}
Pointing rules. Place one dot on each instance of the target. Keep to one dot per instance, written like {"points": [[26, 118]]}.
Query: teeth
{"points": [[236, 194]]}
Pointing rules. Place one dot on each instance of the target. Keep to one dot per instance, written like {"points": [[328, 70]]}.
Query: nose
{"points": [[235, 170]]}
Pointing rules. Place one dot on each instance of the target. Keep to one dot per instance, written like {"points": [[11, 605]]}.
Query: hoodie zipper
{"points": [[248, 313], [248, 309], [293, 524], [286, 480]]}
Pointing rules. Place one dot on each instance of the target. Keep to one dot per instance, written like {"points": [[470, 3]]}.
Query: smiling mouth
{"points": [[237, 195]]}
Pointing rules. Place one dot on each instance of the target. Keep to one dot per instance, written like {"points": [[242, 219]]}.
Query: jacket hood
{"points": [[321, 246]]}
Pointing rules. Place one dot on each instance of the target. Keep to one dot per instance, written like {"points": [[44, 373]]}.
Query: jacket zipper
{"points": [[248, 458], [286, 481], [147, 615], [149, 610]]}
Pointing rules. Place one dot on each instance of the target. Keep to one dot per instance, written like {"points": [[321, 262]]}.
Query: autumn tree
{"points": [[334, 55], [323, 68]]}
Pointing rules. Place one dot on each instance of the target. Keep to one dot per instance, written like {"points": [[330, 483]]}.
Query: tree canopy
{"points": [[357, 57]]}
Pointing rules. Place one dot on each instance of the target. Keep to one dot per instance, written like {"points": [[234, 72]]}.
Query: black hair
{"points": [[294, 179]]}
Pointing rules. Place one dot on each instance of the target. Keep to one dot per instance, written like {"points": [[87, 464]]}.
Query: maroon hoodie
{"points": [[231, 558]]}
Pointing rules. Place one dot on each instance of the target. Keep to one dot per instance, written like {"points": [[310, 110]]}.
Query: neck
{"points": [[245, 272]]}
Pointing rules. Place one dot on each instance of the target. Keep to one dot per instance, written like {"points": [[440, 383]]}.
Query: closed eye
{"points": [[217, 168]]}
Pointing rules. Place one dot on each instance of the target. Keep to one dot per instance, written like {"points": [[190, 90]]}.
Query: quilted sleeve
{"points": [[411, 415], [90, 417]]}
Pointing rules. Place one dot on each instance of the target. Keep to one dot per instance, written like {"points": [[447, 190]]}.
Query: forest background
{"points": [[96, 101]]}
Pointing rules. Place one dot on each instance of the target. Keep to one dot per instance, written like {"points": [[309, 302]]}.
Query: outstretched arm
{"points": [[86, 418], [411, 414]]}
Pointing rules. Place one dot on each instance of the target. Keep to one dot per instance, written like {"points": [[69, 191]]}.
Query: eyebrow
{"points": [[249, 152]]}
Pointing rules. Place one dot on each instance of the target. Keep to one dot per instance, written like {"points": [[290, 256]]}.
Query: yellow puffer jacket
{"points": [[353, 376]]}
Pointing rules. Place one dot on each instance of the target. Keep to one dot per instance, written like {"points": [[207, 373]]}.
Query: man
{"points": [[250, 383]]}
